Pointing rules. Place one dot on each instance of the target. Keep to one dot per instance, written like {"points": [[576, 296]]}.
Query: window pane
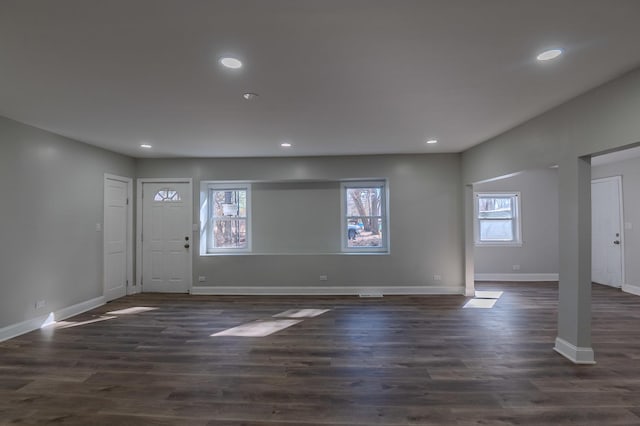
{"points": [[364, 201], [167, 195], [230, 233], [495, 207], [496, 230], [231, 203], [364, 232]]}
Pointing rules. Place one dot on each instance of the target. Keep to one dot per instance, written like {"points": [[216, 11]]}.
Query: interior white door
{"points": [[606, 231], [166, 237], [116, 195]]}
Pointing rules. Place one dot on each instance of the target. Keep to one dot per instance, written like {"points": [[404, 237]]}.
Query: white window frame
{"points": [[206, 216], [384, 209], [516, 220]]}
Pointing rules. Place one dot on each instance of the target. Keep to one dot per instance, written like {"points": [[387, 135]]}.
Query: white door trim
{"points": [[129, 181], [621, 209], [139, 216]]}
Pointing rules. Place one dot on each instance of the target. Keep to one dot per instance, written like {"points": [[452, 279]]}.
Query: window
{"points": [[227, 217], [364, 216], [497, 219], [167, 195]]}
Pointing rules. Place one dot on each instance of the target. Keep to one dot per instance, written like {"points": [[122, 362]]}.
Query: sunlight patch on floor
{"points": [[480, 303], [69, 324], [484, 299], [301, 313], [260, 328], [134, 310], [488, 294]]}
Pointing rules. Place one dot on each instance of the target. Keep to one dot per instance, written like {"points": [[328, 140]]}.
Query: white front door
{"points": [[606, 231], [166, 237], [116, 199]]}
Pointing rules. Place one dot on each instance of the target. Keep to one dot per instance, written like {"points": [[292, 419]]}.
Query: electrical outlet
{"points": [[324, 277], [41, 304], [437, 277], [516, 267], [202, 279], [98, 227], [628, 226]]}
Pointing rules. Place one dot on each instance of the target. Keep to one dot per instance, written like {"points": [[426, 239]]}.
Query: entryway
{"points": [[118, 236], [166, 235], [607, 260]]}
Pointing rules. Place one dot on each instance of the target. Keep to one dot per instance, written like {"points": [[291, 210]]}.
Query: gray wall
{"points": [[51, 202], [539, 221], [425, 216], [296, 217], [598, 121], [630, 172]]}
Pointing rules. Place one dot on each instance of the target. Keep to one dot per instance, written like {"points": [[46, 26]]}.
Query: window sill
{"points": [[339, 253], [519, 244]]}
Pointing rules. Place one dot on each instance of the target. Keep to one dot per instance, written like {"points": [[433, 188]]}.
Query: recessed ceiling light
{"points": [[145, 146], [548, 55], [231, 62], [250, 96], [432, 141], [285, 145]]}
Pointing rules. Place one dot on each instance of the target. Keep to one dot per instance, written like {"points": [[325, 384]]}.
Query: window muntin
{"points": [[228, 222], [167, 195], [497, 219], [364, 220]]}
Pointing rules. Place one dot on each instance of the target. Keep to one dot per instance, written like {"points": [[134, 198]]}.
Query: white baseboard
{"points": [[573, 353], [325, 291], [633, 289], [517, 277], [27, 326]]}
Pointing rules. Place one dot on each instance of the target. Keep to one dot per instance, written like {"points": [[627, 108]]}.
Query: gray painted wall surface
{"points": [[600, 120], [425, 215], [52, 199], [539, 220], [630, 172]]}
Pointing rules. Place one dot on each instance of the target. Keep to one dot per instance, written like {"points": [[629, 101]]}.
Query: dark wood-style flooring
{"points": [[390, 361]]}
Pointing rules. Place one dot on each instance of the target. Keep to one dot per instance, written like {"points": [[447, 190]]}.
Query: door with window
{"points": [[166, 237], [606, 231]]}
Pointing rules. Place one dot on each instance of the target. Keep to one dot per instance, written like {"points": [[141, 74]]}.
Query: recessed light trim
{"points": [[145, 146], [286, 145], [250, 96], [230, 62], [550, 54], [432, 141]]}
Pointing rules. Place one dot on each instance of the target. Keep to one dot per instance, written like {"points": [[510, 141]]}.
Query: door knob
{"points": [[616, 242], [186, 246]]}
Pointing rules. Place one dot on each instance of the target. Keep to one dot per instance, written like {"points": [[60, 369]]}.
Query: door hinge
{"points": [[141, 237], [127, 282], [127, 201]]}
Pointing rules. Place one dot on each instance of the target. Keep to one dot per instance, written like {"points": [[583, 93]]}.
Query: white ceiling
{"points": [[334, 76]]}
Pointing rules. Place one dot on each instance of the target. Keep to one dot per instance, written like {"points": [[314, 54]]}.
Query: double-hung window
{"points": [[364, 216], [225, 213], [497, 219]]}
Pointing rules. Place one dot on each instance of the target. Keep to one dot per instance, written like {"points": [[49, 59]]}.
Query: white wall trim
{"points": [[326, 291], [14, 330], [633, 289], [573, 353], [517, 277]]}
